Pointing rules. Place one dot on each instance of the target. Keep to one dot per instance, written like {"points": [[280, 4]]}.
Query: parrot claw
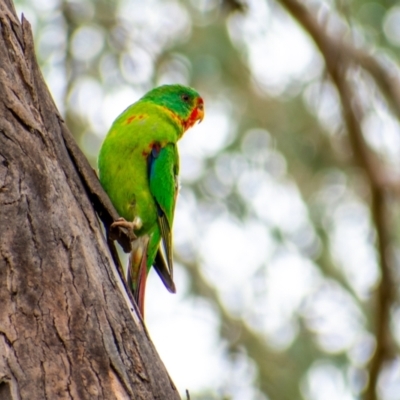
{"points": [[129, 226]]}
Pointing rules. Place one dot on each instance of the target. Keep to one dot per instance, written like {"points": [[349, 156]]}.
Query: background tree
{"points": [[286, 230]]}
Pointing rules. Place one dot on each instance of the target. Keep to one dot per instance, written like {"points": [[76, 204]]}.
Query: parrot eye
{"points": [[185, 97]]}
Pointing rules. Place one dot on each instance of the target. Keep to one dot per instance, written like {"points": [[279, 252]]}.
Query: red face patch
{"points": [[196, 115]]}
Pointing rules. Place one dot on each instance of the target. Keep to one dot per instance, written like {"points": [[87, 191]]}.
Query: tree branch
{"points": [[67, 328], [338, 49], [338, 58]]}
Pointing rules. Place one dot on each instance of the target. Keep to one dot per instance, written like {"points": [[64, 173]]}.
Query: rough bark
{"points": [[67, 327]]}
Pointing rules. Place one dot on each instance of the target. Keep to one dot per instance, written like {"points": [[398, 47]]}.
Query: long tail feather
{"points": [[137, 271], [141, 286]]}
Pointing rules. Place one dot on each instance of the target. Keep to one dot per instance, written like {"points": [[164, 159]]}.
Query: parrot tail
{"points": [[137, 271]]}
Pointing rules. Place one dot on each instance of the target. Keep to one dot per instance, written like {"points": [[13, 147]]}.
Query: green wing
{"points": [[163, 169]]}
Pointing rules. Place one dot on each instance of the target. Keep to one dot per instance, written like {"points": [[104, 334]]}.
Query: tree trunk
{"points": [[67, 327]]}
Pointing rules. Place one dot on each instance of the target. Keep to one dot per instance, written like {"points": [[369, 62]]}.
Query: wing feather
{"points": [[163, 169], [163, 272]]}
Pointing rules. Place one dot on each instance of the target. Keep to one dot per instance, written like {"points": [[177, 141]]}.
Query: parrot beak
{"points": [[200, 110]]}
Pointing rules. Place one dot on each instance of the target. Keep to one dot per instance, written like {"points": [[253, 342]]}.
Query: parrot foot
{"points": [[129, 226]]}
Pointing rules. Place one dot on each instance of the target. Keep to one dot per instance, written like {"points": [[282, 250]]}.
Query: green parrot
{"points": [[138, 168]]}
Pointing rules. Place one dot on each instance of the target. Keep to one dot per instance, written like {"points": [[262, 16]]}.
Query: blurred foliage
{"points": [[275, 213]]}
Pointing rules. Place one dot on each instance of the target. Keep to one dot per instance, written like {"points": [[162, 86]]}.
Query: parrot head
{"points": [[184, 102]]}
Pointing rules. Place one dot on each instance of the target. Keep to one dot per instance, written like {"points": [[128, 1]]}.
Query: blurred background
{"points": [[286, 234]]}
